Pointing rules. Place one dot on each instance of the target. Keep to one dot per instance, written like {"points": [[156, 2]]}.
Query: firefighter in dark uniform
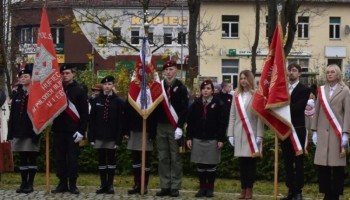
{"points": [[133, 126], [24, 140], [205, 136], [68, 130], [105, 132]]}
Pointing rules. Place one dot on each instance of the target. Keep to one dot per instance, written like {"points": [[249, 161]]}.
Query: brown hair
{"points": [[250, 78]]}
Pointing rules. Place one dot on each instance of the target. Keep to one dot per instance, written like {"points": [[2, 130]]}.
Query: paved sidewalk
{"points": [[121, 193]]}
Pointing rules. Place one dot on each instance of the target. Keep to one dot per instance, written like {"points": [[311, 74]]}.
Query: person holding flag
{"points": [[20, 132], [105, 132], [171, 118], [331, 130], [68, 130], [205, 136], [293, 146], [245, 132]]}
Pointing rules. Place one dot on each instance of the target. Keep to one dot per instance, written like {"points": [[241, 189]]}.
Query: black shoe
{"points": [[201, 193], [21, 188], [163, 192], [101, 190], [74, 190], [110, 190], [174, 193], [210, 193], [288, 197], [60, 188], [28, 189], [135, 190], [298, 196]]}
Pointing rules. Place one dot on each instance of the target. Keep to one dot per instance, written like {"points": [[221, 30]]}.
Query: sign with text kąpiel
{"points": [[47, 98]]}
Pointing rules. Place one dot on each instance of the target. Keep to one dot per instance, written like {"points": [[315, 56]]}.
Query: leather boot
{"points": [[242, 194], [110, 179], [29, 188], [103, 179], [24, 178], [249, 193], [61, 187], [73, 186]]}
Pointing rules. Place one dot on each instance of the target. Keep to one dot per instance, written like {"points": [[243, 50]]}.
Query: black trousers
{"points": [[294, 165], [247, 168], [66, 155], [331, 179]]}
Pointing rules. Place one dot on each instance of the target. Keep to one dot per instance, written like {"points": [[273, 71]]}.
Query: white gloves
{"points": [[78, 137], [178, 133], [92, 143], [344, 140], [231, 140], [314, 137], [259, 140]]}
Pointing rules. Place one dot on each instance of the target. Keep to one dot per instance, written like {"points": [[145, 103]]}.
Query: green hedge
{"points": [[228, 168]]}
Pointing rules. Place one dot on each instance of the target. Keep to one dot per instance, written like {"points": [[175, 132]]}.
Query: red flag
{"points": [[47, 98], [145, 97], [271, 100]]}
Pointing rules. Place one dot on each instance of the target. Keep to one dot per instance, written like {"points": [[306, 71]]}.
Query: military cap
{"points": [[25, 70], [207, 82], [108, 79], [65, 67], [169, 63]]}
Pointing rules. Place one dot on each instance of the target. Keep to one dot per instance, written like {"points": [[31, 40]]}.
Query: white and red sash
{"points": [[296, 142], [330, 115], [247, 126], [72, 112], [168, 108]]}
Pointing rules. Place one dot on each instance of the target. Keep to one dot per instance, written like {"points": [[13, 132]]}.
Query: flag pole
{"points": [[143, 163], [47, 157], [275, 188], [279, 9]]}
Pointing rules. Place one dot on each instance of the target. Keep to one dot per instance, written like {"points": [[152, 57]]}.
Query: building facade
{"points": [[322, 38]]}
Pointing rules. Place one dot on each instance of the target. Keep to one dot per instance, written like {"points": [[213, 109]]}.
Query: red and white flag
{"points": [[145, 90], [47, 98], [271, 100]]}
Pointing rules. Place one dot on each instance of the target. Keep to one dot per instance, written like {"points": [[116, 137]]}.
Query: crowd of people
{"points": [[217, 115]]}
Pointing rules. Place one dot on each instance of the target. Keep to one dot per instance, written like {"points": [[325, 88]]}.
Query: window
{"points": [[335, 61], [229, 71], [230, 26], [135, 38], [116, 35], [168, 36], [303, 27], [267, 26], [26, 36], [181, 36], [35, 31], [304, 63], [57, 35], [334, 28], [150, 36]]}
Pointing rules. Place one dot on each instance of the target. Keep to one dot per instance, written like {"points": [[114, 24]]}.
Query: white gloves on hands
{"points": [[344, 140], [314, 137], [231, 139], [259, 140], [178, 133], [78, 137], [92, 143]]}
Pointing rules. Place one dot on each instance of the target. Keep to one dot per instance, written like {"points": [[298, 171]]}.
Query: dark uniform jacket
{"points": [[134, 122], [78, 96], [20, 125], [210, 128], [298, 99], [179, 100], [227, 101], [106, 124]]}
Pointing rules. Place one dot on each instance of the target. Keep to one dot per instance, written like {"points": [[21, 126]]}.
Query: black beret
{"points": [[65, 67], [108, 79], [25, 70], [169, 63]]}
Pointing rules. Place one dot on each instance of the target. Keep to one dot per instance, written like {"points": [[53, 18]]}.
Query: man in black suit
{"points": [[294, 160]]}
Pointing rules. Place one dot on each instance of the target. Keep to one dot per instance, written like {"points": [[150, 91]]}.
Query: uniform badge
{"points": [[175, 89], [213, 105]]}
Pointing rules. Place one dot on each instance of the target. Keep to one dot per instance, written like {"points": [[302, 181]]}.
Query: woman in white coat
{"points": [[245, 132], [333, 100]]}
